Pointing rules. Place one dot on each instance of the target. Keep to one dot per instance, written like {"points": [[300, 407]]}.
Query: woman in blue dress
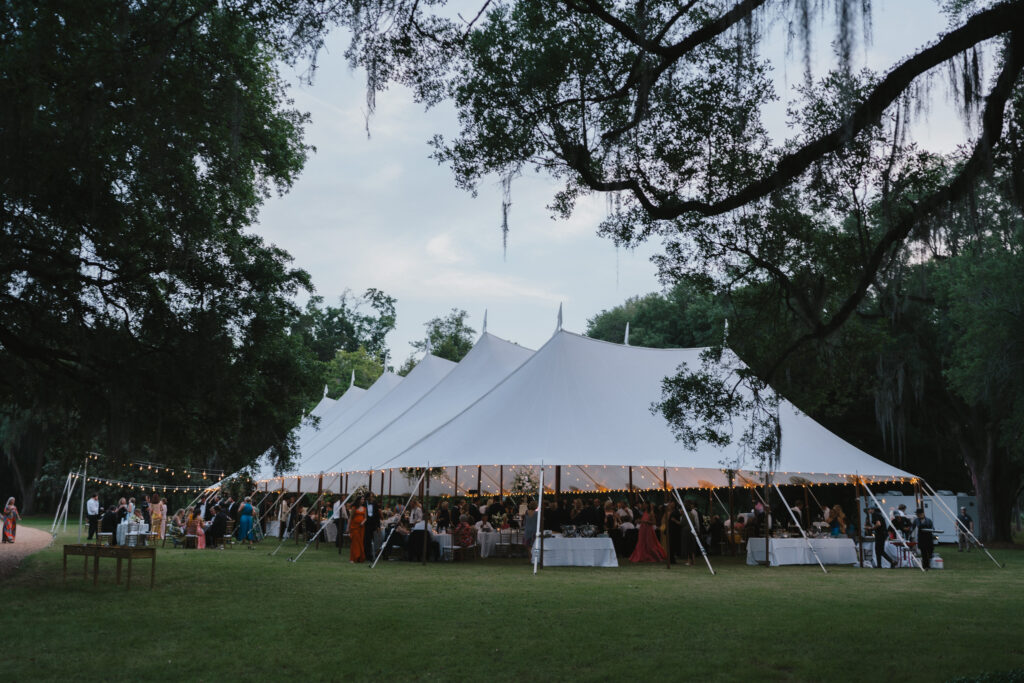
{"points": [[245, 526]]}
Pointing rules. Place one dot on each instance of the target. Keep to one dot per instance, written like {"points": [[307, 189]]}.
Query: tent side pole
{"points": [[60, 504], [860, 525], [539, 538], [668, 530], [501, 483], [686, 514], [300, 520], [316, 535], [426, 513], [810, 546], [391, 479], [558, 485], [889, 523], [632, 494], [388, 539], [81, 509], [479, 481], [958, 523], [732, 517]]}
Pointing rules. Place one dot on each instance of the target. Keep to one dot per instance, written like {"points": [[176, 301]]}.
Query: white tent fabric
{"points": [[586, 403], [328, 453], [490, 361], [578, 403]]}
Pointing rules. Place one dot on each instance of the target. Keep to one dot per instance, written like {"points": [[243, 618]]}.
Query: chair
{"points": [[465, 553], [228, 539]]}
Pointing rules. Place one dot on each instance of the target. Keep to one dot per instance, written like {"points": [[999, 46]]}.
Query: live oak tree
{"points": [[138, 315]]}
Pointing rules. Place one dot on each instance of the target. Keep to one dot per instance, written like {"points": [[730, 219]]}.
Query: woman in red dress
{"points": [[356, 552], [647, 547]]}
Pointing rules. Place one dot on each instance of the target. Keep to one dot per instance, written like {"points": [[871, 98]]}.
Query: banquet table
{"points": [[489, 540], [445, 543], [330, 531], [577, 552], [128, 533], [795, 551]]}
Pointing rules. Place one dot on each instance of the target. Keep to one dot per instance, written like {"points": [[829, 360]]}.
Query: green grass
{"points": [[241, 613]]}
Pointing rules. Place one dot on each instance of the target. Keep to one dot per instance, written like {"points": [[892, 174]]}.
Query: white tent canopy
{"points": [[583, 405]]}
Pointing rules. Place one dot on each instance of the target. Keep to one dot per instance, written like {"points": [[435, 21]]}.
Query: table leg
{"points": [[128, 583], [152, 572], [96, 569], [119, 571]]}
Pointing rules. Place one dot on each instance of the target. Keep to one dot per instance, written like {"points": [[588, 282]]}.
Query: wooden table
{"points": [[87, 550]]}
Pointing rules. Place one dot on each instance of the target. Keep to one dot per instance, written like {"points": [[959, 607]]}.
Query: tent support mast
{"points": [[668, 531], [860, 525], [889, 523], [426, 513], [957, 522], [388, 539], [539, 538], [81, 509], [810, 546], [316, 535], [689, 521], [732, 517], [60, 505], [632, 494]]}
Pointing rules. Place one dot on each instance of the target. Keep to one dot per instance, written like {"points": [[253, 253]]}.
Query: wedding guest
{"points": [[144, 511], [218, 528], [338, 515], [530, 525], [415, 512], [130, 508], [647, 547], [372, 526], [245, 522], [92, 512], [194, 527], [484, 524], [356, 531], [610, 521], [837, 521], [463, 535], [925, 538], [108, 524], [11, 518], [443, 516], [158, 513], [966, 524], [283, 515]]}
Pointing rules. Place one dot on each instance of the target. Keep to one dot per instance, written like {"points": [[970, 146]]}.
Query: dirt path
{"points": [[27, 541]]}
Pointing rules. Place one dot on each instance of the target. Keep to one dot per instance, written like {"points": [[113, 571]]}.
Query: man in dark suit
{"points": [[218, 527], [108, 524], [372, 523]]}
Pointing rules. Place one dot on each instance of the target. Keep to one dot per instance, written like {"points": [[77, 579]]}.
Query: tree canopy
{"points": [[138, 314], [448, 337]]}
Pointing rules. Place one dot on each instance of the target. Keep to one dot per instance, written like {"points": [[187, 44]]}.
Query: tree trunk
{"points": [[995, 479]]}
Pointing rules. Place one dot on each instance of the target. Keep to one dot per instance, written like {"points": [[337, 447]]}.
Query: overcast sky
{"points": [[377, 212]]}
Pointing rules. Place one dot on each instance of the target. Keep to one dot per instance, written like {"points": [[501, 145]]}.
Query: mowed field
{"points": [[242, 614]]}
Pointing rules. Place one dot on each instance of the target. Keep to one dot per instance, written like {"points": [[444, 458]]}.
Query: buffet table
{"points": [[795, 551], [577, 552]]}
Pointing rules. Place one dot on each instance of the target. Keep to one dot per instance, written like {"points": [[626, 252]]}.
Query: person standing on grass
{"points": [[925, 538], [372, 526], [357, 531], [92, 513], [283, 512], [881, 536], [245, 522], [11, 518], [963, 540]]}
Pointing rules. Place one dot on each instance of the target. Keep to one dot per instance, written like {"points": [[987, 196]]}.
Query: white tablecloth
{"points": [[577, 552], [488, 540], [123, 529], [795, 551], [330, 532]]}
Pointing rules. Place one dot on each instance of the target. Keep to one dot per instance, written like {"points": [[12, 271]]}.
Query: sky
{"points": [[378, 212]]}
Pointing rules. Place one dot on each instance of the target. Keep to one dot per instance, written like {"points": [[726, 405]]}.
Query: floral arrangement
{"points": [[499, 521], [524, 482]]}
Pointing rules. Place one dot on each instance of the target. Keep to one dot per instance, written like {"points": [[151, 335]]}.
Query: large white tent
{"points": [[580, 405]]}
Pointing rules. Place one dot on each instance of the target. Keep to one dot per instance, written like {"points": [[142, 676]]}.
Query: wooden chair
{"points": [[465, 553], [104, 538], [228, 539]]}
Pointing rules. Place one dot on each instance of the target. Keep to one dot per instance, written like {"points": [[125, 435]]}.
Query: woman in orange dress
{"points": [[647, 547], [356, 522]]}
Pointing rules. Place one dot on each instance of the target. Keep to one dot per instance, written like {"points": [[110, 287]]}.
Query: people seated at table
{"points": [[176, 527], [442, 516], [623, 514], [484, 524], [648, 549], [610, 521], [217, 529], [464, 536], [108, 525], [414, 545], [194, 527], [836, 521]]}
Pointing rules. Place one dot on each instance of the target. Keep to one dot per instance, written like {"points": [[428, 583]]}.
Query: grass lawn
{"points": [[244, 614]]}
